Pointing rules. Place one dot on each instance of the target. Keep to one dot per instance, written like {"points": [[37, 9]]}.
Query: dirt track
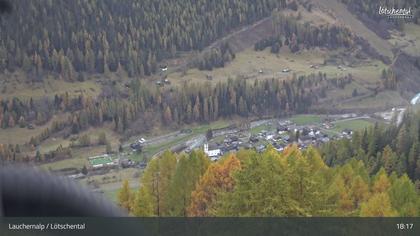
{"points": [[247, 36]]}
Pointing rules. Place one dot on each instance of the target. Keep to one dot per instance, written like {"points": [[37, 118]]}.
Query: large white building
{"points": [[212, 153]]}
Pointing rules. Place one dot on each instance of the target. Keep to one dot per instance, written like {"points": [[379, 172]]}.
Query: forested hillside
{"points": [[69, 37], [145, 108], [297, 35], [368, 12], [394, 148], [292, 183], [371, 7]]}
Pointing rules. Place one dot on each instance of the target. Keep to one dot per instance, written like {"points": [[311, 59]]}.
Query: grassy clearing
{"points": [[307, 119], [112, 195], [80, 154], [409, 41], [352, 124], [111, 182], [249, 62], [260, 128], [52, 144], [67, 163], [16, 85], [340, 94], [79, 158], [382, 100], [18, 135]]}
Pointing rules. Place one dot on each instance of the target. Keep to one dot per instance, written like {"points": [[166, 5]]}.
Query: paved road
{"points": [[353, 118], [158, 139], [400, 116], [261, 122]]}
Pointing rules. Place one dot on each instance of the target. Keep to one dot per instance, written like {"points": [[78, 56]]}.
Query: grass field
{"points": [[409, 41], [19, 135], [382, 100], [112, 195], [352, 124], [260, 128], [79, 158], [67, 163], [249, 62], [101, 160], [16, 85], [307, 119], [111, 182]]}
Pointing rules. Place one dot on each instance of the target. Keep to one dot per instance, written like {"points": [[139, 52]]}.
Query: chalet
{"points": [[253, 139], [282, 128], [269, 137], [126, 163], [164, 68], [142, 165], [136, 146], [234, 138], [347, 132]]}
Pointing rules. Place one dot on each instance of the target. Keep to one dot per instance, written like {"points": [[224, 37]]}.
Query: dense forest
{"points": [[296, 35], [215, 58], [247, 183], [187, 103], [69, 37], [395, 148]]}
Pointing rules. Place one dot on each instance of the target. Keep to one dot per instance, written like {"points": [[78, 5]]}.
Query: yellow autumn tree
{"points": [[381, 183], [379, 205], [359, 191], [142, 204], [344, 202], [124, 196], [156, 180], [218, 178]]}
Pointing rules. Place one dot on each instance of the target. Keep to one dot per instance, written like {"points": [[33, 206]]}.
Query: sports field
{"points": [[100, 160]]}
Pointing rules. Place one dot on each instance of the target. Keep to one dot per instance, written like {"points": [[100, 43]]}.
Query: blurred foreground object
{"points": [[5, 6], [26, 191]]}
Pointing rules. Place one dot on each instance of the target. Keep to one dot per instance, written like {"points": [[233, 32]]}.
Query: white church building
{"points": [[212, 153]]}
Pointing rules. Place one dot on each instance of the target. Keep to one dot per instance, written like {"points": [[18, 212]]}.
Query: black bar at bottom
{"points": [[208, 226]]}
